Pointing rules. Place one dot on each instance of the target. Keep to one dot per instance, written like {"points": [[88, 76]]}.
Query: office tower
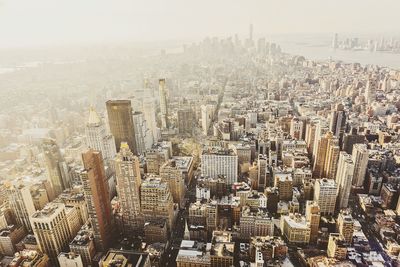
{"points": [[97, 136], [295, 229], [344, 178], [149, 113], [251, 32], [345, 226], [335, 41], [56, 167], [313, 216], [121, 123], [360, 158], [262, 166], [128, 188], [21, 204], [325, 191], [350, 139], [337, 246], [296, 128], [143, 136], [50, 226], [338, 122], [332, 158], [185, 120], [216, 162], [70, 259], [95, 186], [163, 104], [156, 200], [321, 129], [171, 174], [207, 115], [321, 155]]}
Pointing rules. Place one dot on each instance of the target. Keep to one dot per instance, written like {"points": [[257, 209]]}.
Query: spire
{"points": [[93, 116], [186, 235]]}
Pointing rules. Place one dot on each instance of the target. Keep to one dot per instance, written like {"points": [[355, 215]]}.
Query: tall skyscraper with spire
{"points": [[97, 198], [121, 123], [97, 137], [128, 189], [163, 104]]}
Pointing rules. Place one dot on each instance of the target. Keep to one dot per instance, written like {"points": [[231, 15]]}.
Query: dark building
{"points": [[95, 186], [350, 139], [185, 121], [121, 123]]}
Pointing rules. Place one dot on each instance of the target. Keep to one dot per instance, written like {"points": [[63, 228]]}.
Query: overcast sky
{"points": [[49, 22]]}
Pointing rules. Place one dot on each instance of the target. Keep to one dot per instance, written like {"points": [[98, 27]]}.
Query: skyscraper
{"points": [[128, 189], [50, 226], [344, 178], [338, 122], [56, 167], [143, 135], [345, 226], [321, 154], [332, 158], [121, 123], [163, 104], [97, 137], [207, 113], [360, 159], [95, 186], [21, 204]]}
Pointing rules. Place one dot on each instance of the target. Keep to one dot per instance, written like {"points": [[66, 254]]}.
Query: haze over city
{"points": [[199, 133]]}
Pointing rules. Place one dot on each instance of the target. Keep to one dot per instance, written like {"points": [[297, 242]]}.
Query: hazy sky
{"points": [[47, 22]]}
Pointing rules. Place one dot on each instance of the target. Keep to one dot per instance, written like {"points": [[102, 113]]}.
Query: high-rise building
{"points": [[338, 121], [360, 159], [263, 171], [344, 178], [95, 186], [163, 104], [332, 158], [325, 191], [56, 167], [313, 217], [185, 120], [143, 136], [345, 226], [370, 92], [321, 155], [156, 200], [171, 174], [149, 112], [128, 188], [350, 139], [296, 128], [51, 229], [121, 123], [21, 204], [97, 137], [216, 162]]}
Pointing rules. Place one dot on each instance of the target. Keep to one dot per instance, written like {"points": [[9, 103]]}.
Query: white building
{"points": [[70, 260], [344, 178], [360, 159], [97, 136], [325, 191], [216, 162]]}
